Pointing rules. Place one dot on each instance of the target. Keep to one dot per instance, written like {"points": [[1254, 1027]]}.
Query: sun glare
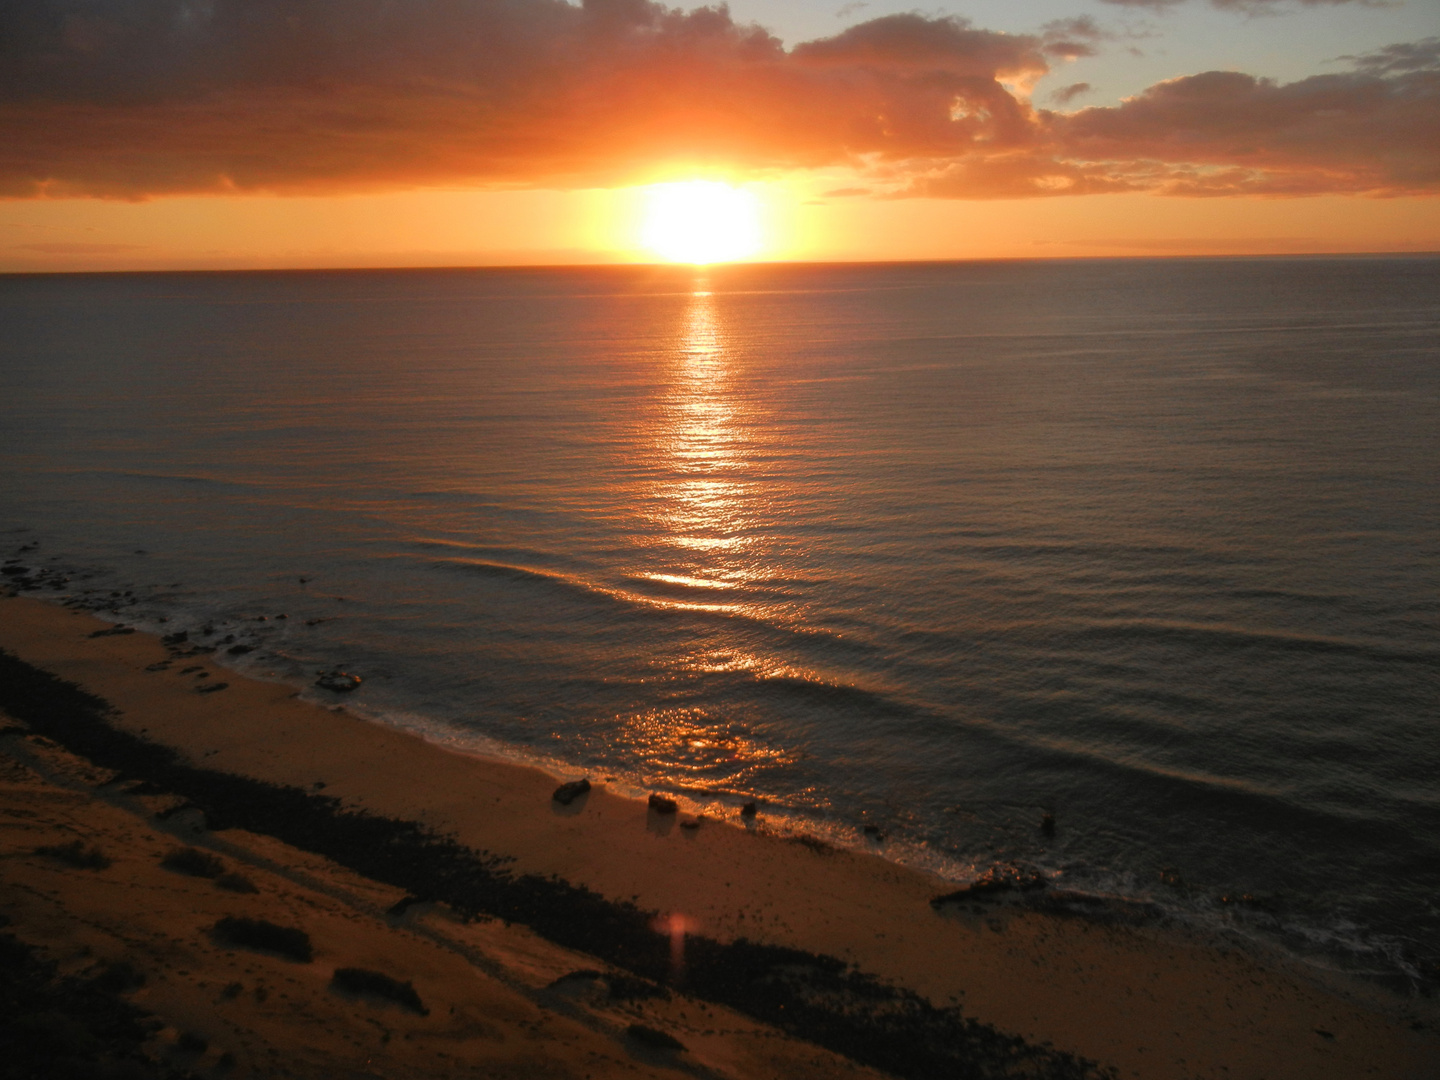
{"points": [[700, 221]]}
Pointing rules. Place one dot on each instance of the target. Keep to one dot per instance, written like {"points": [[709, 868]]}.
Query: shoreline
{"points": [[1136, 998], [1223, 918]]}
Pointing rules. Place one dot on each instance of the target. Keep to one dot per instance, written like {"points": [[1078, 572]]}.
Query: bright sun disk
{"points": [[700, 221]]}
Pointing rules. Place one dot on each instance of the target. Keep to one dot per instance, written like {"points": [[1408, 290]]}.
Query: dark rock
{"points": [[1047, 824], [656, 1040], [691, 825], [114, 631], [630, 988], [236, 883], [193, 861], [77, 855], [15, 571], [404, 904], [212, 688], [874, 833], [579, 975], [160, 665], [566, 794], [661, 805], [996, 881], [340, 682], [376, 984], [749, 810], [240, 650], [178, 638], [265, 937]]}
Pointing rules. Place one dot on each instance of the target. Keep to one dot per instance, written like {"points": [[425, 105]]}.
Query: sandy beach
{"points": [[544, 939]]}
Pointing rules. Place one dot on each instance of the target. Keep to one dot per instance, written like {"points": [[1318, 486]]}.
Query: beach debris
{"points": [[749, 810], [404, 904], [341, 682], [566, 794], [994, 882], [579, 974], [264, 936], [661, 805], [193, 861], [212, 687], [363, 982], [1256, 901], [1047, 824], [76, 854], [653, 1038], [624, 987]]}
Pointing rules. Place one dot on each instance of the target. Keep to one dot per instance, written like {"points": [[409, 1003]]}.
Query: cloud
{"points": [[1423, 55], [173, 96], [159, 97], [1067, 94], [1249, 7], [61, 248], [1226, 133]]}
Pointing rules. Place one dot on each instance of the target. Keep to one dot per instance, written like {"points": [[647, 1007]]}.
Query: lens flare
{"points": [[700, 221]]}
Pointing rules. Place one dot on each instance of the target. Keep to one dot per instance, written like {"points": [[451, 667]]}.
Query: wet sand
{"points": [[1140, 999]]}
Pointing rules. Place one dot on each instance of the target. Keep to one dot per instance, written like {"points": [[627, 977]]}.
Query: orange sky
{"points": [[163, 134]]}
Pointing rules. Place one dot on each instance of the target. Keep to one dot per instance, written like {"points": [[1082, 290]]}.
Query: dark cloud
{"points": [[1067, 94], [1249, 7], [1224, 133], [135, 98], [130, 98], [1399, 59]]}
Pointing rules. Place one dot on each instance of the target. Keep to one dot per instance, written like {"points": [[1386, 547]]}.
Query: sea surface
{"points": [[1149, 545]]}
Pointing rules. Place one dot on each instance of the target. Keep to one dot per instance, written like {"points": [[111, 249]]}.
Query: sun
{"points": [[700, 221]]}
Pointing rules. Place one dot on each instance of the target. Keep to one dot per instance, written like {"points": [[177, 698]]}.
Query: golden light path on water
{"points": [[709, 508]]}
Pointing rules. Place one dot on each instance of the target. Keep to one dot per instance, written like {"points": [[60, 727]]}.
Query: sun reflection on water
{"points": [[706, 501]]}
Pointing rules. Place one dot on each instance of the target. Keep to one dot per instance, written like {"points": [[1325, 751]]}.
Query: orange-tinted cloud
{"points": [[154, 97]]}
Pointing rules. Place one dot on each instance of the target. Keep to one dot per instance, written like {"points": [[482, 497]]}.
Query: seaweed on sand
{"points": [[52, 1026], [377, 984], [814, 997], [266, 936]]}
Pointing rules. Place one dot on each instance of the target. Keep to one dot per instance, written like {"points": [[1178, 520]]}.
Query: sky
{"points": [[211, 134]]}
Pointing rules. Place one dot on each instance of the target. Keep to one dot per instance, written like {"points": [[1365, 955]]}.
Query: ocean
{"points": [[1152, 546]]}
